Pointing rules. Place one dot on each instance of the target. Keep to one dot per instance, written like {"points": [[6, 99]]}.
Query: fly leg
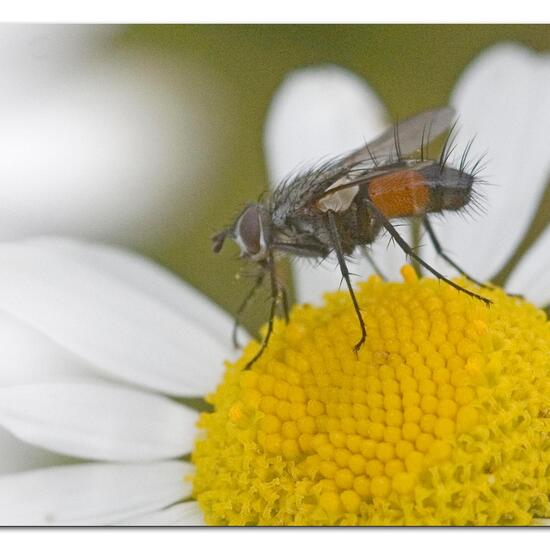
{"points": [[345, 274], [274, 299], [410, 252], [257, 283], [441, 252]]}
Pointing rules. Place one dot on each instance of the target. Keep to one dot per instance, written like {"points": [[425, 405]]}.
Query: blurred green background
{"points": [[411, 67]]}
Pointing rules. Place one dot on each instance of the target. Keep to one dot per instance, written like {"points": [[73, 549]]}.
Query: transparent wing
{"points": [[405, 138]]}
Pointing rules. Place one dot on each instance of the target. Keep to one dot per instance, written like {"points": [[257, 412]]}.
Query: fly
{"points": [[343, 204]]}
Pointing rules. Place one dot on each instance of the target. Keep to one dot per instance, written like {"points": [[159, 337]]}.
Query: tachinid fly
{"points": [[345, 203]]}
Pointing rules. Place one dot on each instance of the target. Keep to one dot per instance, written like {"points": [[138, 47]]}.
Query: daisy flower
{"points": [[441, 419]]}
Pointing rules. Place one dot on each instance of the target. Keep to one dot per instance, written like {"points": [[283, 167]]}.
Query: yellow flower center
{"points": [[442, 419]]}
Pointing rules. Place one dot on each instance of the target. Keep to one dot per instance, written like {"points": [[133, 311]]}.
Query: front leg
{"points": [[237, 322], [270, 266]]}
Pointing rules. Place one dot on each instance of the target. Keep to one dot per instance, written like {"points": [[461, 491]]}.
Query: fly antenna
{"points": [[218, 239]]}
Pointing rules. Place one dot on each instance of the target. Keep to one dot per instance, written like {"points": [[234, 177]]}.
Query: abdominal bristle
{"points": [[448, 147]]}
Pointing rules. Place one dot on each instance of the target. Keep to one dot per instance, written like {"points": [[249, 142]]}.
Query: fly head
{"points": [[251, 231]]}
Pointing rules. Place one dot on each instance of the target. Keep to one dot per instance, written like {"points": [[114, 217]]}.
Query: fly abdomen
{"points": [[450, 189], [400, 193], [415, 191]]}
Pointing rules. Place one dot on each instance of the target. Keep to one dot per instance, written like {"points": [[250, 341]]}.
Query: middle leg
{"points": [[346, 275]]}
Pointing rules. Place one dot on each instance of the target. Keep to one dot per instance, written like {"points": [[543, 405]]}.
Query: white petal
{"points": [[319, 112], [153, 279], [18, 456], [90, 494], [34, 57], [30, 356], [184, 514], [502, 99], [111, 323], [98, 421], [116, 144], [531, 277]]}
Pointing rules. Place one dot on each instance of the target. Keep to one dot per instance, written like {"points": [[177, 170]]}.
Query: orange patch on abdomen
{"points": [[400, 194]]}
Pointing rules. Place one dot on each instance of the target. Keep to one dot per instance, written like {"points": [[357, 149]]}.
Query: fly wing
{"points": [[404, 138], [320, 185]]}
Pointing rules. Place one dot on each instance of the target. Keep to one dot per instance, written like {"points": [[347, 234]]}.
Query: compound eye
{"points": [[248, 231]]}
